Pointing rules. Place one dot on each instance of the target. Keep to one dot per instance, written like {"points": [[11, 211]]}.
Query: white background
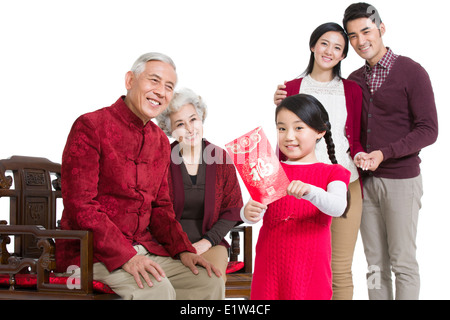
{"points": [[60, 59]]}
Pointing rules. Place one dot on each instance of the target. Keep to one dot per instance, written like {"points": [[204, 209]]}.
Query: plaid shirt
{"points": [[376, 76]]}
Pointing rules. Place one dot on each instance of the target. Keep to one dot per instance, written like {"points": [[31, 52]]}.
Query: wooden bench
{"points": [[29, 271]]}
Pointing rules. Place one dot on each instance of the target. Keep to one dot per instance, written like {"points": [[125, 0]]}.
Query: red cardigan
{"points": [[223, 197], [353, 99], [114, 183]]}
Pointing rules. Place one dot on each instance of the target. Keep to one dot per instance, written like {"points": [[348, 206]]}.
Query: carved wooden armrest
{"points": [[46, 262]]}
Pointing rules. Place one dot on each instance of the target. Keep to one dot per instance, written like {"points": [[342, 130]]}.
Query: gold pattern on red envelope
{"points": [[258, 166]]}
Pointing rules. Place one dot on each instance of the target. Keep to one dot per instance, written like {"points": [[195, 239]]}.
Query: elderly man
{"points": [[114, 183]]}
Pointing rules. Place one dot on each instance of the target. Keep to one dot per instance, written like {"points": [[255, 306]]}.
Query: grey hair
{"points": [[139, 64], [181, 98]]}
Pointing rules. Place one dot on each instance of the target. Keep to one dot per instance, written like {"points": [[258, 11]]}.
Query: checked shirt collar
{"points": [[376, 76]]}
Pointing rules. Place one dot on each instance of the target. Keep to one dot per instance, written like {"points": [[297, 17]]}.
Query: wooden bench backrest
{"points": [[33, 197]]}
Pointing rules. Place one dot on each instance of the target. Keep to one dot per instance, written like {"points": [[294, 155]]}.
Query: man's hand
{"points": [[190, 260], [369, 161], [377, 158], [141, 266]]}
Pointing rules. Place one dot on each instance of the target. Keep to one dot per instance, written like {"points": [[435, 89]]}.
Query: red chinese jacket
{"points": [[114, 183]]}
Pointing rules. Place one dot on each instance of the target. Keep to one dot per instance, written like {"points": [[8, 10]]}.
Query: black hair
{"points": [[361, 10], [313, 113], [315, 36]]}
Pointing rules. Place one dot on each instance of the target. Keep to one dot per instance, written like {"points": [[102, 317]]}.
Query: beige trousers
{"points": [[388, 230], [344, 233], [180, 283], [218, 257]]}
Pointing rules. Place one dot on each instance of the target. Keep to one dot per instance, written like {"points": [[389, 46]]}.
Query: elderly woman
{"points": [[202, 179]]}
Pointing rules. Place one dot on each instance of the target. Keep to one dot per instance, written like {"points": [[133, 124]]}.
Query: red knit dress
{"points": [[293, 252]]}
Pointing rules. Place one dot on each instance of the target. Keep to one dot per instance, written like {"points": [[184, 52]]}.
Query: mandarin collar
{"points": [[127, 115]]}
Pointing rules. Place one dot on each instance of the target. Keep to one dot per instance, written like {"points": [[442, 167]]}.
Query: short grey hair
{"points": [[181, 98], [139, 64]]}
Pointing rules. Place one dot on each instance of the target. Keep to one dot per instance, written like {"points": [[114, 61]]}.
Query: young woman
{"points": [[293, 252], [343, 100]]}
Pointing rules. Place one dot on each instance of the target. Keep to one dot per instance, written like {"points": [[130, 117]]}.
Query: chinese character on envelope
{"points": [[258, 166]]}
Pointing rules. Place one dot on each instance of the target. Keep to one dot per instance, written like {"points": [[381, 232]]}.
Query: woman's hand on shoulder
{"points": [[280, 94]]}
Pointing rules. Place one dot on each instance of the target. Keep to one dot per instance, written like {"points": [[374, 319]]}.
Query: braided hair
{"points": [[330, 144]]}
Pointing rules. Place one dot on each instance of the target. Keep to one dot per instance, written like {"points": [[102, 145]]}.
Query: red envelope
{"points": [[258, 166]]}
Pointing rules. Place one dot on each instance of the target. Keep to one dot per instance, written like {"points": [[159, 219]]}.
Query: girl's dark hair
{"points": [[312, 112], [315, 36]]}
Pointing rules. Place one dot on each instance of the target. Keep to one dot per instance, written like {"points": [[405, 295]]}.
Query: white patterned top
{"points": [[332, 96]]}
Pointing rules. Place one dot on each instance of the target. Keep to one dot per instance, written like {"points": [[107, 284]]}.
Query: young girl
{"points": [[343, 101], [293, 253]]}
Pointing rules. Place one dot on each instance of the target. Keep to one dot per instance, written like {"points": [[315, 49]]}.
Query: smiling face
{"points": [[366, 39], [296, 139], [328, 50], [150, 92], [187, 126]]}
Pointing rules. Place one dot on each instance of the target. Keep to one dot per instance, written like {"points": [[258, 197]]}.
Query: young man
{"points": [[399, 118]]}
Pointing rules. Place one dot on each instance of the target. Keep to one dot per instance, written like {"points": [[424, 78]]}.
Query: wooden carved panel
{"points": [[35, 178], [36, 213]]}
